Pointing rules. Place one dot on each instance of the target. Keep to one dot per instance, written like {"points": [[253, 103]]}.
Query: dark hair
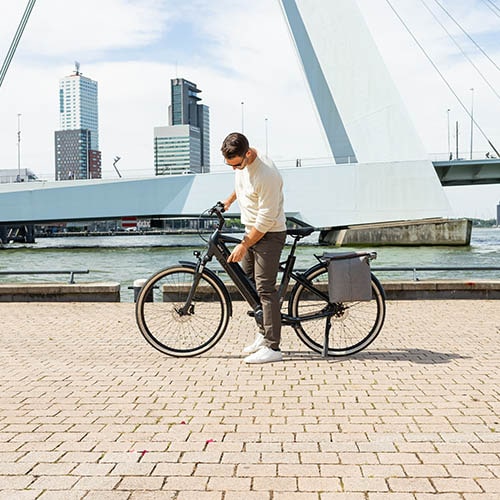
{"points": [[235, 144]]}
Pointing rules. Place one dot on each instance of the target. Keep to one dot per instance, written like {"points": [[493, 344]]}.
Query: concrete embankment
{"points": [[442, 289], [60, 292], [444, 232]]}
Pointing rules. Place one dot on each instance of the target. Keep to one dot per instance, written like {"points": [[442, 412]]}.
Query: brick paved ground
{"points": [[89, 410]]}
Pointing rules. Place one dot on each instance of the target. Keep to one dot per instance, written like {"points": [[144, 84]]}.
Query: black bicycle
{"points": [[184, 310]]}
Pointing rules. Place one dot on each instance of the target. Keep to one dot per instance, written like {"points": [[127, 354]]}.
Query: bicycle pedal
{"points": [[251, 314]]}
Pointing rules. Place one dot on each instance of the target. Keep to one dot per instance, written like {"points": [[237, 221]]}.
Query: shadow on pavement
{"points": [[419, 356]]}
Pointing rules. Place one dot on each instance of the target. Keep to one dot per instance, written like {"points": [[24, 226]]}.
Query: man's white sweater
{"points": [[259, 190]]}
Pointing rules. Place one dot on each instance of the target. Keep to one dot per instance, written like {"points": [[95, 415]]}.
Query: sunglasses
{"points": [[237, 165]]}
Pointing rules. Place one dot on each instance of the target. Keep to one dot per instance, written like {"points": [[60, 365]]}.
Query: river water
{"points": [[126, 258]]}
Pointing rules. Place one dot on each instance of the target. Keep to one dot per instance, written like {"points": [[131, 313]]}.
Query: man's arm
{"points": [[229, 201]]}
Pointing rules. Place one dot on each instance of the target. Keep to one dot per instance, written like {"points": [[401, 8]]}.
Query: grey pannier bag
{"points": [[349, 276]]}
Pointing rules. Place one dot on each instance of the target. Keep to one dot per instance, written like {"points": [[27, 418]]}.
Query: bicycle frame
{"points": [[217, 248]]}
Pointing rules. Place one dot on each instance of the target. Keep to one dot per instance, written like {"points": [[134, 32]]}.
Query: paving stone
{"points": [[410, 484], [19, 494], [62, 495], [140, 483], [96, 483], [111, 495], [247, 495]]}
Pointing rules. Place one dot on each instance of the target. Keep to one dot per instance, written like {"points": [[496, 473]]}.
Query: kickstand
{"points": [[328, 325]]}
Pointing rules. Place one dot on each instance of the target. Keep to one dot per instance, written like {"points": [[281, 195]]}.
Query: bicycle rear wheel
{"points": [[354, 325], [172, 330]]}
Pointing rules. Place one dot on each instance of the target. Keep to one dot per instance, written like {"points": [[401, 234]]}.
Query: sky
{"points": [[241, 55]]}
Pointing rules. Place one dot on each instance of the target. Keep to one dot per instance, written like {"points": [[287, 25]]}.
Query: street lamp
{"points": [[242, 117], [115, 161], [449, 141], [471, 120], [267, 149], [18, 147]]}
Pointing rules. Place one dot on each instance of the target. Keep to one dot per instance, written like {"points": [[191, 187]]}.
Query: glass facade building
{"points": [[184, 145], [77, 154], [177, 150]]}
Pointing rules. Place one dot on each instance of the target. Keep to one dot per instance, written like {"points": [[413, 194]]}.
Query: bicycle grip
{"points": [[220, 207]]}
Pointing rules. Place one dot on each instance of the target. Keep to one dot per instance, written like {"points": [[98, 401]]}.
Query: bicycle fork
{"points": [[188, 307]]}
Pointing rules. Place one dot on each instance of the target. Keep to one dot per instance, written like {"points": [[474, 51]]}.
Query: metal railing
{"points": [[70, 272], [414, 269]]}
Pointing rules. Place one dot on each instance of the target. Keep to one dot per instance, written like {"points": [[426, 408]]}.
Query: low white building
{"points": [[17, 175]]}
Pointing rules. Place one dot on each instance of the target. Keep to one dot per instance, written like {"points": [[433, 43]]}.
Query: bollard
{"points": [[138, 284]]}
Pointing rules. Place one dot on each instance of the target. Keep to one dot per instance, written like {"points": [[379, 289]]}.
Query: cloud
{"points": [[62, 29]]}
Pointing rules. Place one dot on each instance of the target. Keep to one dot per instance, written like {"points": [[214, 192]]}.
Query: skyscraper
{"points": [[77, 154], [184, 144]]}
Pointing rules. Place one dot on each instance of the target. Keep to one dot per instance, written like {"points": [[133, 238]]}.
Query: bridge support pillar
{"points": [[427, 232]]}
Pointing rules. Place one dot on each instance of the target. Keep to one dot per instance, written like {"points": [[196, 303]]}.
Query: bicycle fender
{"points": [[214, 277], [188, 263]]}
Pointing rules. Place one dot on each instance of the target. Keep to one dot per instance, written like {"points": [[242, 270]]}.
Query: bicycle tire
{"points": [[182, 335], [354, 325]]}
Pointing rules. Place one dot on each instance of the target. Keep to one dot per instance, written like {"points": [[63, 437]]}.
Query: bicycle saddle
{"points": [[301, 231]]}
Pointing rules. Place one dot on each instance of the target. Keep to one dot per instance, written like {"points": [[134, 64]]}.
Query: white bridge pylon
{"points": [[360, 108]]}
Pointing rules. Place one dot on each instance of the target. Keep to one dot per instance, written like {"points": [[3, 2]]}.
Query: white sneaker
{"points": [[257, 344], [264, 355]]}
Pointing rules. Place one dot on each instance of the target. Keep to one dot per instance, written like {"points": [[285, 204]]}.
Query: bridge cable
{"points": [[460, 49], [442, 77], [468, 36], [493, 7], [16, 39]]}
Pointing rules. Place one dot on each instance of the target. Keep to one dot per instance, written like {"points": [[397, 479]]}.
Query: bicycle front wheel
{"points": [[174, 329], [354, 325]]}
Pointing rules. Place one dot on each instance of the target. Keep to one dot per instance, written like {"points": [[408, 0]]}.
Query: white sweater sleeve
{"points": [[270, 201]]}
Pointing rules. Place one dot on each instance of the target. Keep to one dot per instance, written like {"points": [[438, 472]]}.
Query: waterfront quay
{"points": [[88, 410]]}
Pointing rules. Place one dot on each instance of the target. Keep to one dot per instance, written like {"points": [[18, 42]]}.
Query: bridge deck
{"points": [[468, 172]]}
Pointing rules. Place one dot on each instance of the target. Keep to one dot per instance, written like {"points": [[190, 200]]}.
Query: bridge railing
{"points": [[463, 155], [288, 163]]}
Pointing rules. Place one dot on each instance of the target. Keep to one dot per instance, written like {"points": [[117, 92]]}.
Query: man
{"points": [[259, 190]]}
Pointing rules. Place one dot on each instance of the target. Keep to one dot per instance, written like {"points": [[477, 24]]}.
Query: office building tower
{"points": [[183, 146], [77, 154]]}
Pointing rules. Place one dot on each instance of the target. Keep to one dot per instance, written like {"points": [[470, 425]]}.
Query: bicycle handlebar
{"points": [[217, 210]]}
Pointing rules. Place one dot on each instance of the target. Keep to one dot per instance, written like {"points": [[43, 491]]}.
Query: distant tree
{"points": [[483, 222]]}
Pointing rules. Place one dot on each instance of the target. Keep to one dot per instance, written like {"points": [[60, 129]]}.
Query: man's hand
{"points": [[238, 253], [248, 241]]}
